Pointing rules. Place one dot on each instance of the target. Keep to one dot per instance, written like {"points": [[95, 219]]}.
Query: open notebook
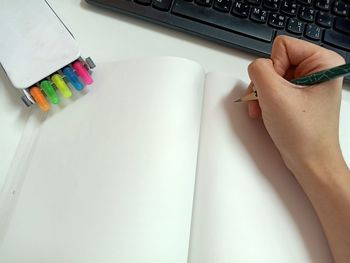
{"points": [[155, 165]]}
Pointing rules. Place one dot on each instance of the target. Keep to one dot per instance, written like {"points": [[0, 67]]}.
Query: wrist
{"points": [[321, 168]]}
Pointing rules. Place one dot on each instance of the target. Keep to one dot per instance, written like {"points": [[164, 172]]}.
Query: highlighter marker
{"points": [[50, 91], [61, 85], [73, 78], [39, 98], [82, 72]]}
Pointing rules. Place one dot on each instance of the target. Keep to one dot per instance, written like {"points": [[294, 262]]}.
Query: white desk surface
{"points": [[107, 36]]}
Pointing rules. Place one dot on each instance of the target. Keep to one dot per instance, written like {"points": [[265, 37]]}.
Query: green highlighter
{"points": [[50, 91], [312, 79]]}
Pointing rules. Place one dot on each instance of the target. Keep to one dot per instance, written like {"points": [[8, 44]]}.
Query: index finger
{"points": [[301, 56]]}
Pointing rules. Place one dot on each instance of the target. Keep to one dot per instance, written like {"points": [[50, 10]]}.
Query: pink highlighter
{"points": [[82, 72]]}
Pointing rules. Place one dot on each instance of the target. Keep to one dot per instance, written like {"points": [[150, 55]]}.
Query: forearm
{"points": [[327, 185]]}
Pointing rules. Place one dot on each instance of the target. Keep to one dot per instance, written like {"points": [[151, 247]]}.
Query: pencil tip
{"points": [[238, 100]]}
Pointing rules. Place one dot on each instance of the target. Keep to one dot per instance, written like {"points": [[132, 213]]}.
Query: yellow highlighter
{"points": [[61, 85]]}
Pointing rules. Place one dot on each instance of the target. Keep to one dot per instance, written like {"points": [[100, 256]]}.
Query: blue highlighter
{"points": [[73, 78]]}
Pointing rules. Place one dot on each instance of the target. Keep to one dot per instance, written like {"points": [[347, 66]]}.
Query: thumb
{"points": [[267, 82]]}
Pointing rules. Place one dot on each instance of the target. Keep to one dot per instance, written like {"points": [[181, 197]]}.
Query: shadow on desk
{"points": [[287, 188]]}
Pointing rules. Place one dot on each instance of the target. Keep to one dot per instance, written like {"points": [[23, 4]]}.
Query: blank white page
{"points": [[248, 207], [110, 177]]}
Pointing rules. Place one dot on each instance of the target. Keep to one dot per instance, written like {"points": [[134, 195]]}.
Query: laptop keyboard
{"points": [[250, 25]]}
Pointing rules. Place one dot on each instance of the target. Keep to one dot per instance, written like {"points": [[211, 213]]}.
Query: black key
{"points": [[258, 15], [324, 5], [204, 2], [254, 2], [277, 20], [223, 5], [339, 8], [143, 2], [305, 2], [162, 4], [342, 25], [313, 32], [271, 4], [306, 13], [323, 19], [224, 21], [336, 39], [288, 8], [295, 26], [240, 9]]}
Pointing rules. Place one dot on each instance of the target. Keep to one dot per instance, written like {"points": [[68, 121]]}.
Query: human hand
{"points": [[302, 122]]}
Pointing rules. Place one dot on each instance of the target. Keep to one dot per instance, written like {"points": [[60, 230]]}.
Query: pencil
{"points": [[312, 79]]}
